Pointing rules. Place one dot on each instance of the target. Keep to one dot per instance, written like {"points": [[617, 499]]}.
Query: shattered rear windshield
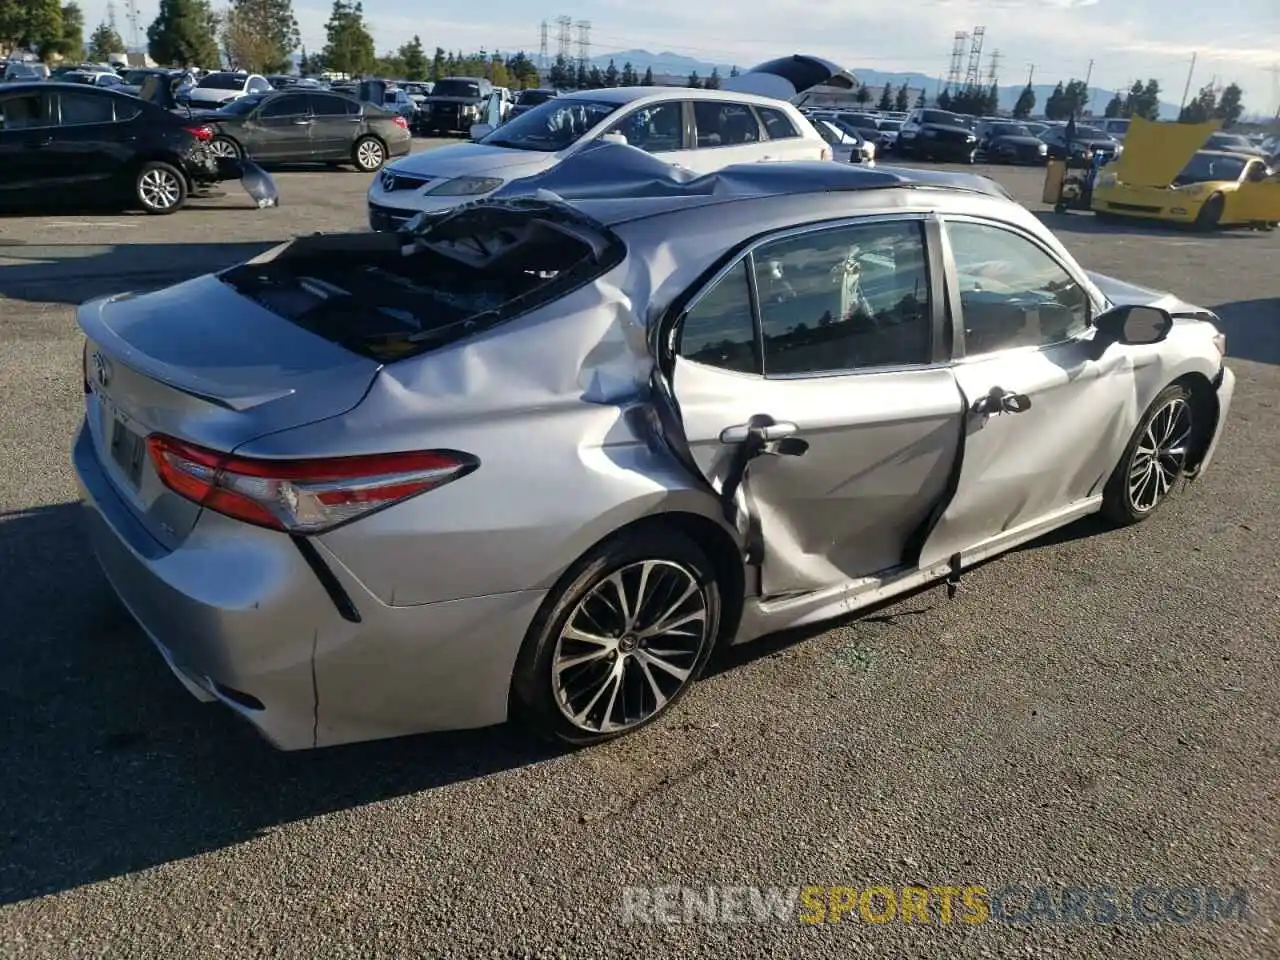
{"points": [[388, 296]]}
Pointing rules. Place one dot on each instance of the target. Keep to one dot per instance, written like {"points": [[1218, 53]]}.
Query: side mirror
{"points": [[480, 130], [1134, 325], [615, 137]]}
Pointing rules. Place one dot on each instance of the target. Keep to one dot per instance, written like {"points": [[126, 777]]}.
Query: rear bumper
{"points": [[241, 618]]}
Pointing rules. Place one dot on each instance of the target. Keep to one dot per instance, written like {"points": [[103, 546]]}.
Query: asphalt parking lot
{"points": [[1098, 709]]}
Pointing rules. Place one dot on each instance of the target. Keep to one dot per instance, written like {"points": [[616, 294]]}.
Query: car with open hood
{"points": [[1165, 174], [932, 134], [539, 457], [1004, 141], [748, 119]]}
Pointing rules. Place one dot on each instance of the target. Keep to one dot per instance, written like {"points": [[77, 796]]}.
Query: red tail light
{"points": [[401, 122], [202, 133], [300, 496]]}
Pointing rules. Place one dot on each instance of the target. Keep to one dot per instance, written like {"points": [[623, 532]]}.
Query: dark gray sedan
{"points": [[296, 126]]}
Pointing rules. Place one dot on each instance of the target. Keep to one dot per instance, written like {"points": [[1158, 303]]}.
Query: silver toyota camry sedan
{"points": [[538, 457]]}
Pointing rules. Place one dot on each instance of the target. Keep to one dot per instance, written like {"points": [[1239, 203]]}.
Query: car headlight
{"points": [[1043, 148], [970, 139], [465, 187]]}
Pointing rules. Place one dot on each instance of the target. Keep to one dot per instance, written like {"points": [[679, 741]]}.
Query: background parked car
{"points": [[308, 126], [453, 105], [526, 100], [1010, 142], [216, 89], [74, 143], [847, 143], [1087, 142], [938, 135]]}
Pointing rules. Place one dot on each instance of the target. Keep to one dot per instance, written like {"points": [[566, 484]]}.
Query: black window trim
{"points": [[932, 236], [1097, 303]]}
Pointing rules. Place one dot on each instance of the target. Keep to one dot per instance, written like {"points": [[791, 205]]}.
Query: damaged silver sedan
{"points": [[538, 457]]}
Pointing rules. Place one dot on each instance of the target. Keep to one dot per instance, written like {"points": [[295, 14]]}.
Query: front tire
{"points": [[620, 640], [368, 154], [160, 188], [1210, 214], [1155, 459], [226, 149]]}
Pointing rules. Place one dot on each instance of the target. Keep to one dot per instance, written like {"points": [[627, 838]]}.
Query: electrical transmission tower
{"points": [[957, 60], [993, 74], [564, 38], [973, 76], [542, 45], [133, 19], [1274, 70], [584, 42]]}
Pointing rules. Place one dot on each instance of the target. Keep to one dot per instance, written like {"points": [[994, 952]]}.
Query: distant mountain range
{"points": [[679, 65]]}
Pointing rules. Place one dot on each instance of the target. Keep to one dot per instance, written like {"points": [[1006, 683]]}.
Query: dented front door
{"points": [[829, 474]]}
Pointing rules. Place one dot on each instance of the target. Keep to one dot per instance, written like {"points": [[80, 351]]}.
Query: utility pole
{"points": [[1031, 73], [1186, 91], [1088, 97]]}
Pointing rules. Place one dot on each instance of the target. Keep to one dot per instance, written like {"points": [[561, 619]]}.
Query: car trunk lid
{"points": [[788, 77], [201, 363]]}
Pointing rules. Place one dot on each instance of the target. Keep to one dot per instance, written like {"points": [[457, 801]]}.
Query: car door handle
{"points": [[303, 123], [769, 433], [37, 143], [998, 401]]}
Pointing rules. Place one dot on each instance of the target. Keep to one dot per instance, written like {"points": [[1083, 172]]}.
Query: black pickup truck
{"points": [[454, 104]]}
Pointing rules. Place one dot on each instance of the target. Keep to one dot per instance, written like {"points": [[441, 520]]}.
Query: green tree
{"points": [[611, 75], [33, 24], [863, 96], [694, 80], [1055, 108], [1143, 100], [415, 59], [944, 100], [350, 44], [561, 74], [629, 78], [922, 101], [713, 79], [104, 41], [70, 43], [184, 34], [993, 100], [437, 64], [902, 100], [886, 98], [734, 72], [1230, 104], [522, 70], [1202, 108], [581, 78], [1115, 106], [260, 35], [647, 79], [1026, 103], [595, 78]]}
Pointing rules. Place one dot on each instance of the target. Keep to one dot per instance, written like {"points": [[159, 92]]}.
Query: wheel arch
{"points": [[1204, 405]]}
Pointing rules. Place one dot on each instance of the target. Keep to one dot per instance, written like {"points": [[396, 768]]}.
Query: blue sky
{"points": [[1235, 39]]}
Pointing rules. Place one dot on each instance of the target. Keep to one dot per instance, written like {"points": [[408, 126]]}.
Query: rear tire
{"points": [[1154, 461], [1211, 213], [580, 692], [160, 188], [368, 154], [226, 147]]}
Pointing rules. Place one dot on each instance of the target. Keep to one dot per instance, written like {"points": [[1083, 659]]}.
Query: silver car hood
{"points": [[1121, 293], [471, 159]]}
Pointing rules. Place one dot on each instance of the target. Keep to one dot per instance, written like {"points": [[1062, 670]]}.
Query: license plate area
{"points": [[127, 450]]}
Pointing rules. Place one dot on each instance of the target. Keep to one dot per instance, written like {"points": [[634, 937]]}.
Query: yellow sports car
{"points": [[1164, 175]]}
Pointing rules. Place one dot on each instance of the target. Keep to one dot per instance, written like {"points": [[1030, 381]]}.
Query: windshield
{"points": [[531, 98], [829, 132], [135, 77], [243, 106], [456, 88], [848, 129], [1093, 133], [891, 125], [1208, 167], [1010, 130], [944, 118], [222, 81], [551, 126], [1228, 141]]}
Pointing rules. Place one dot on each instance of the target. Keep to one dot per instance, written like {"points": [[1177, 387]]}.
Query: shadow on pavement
{"points": [[1089, 223], [111, 767], [1252, 328], [74, 273]]}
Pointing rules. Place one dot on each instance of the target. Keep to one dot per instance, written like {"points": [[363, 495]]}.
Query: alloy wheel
{"points": [[223, 148], [159, 189], [369, 155], [629, 646], [1160, 456]]}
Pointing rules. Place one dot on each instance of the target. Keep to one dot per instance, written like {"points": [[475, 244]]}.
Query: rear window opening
{"points": [[390, 296]]}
